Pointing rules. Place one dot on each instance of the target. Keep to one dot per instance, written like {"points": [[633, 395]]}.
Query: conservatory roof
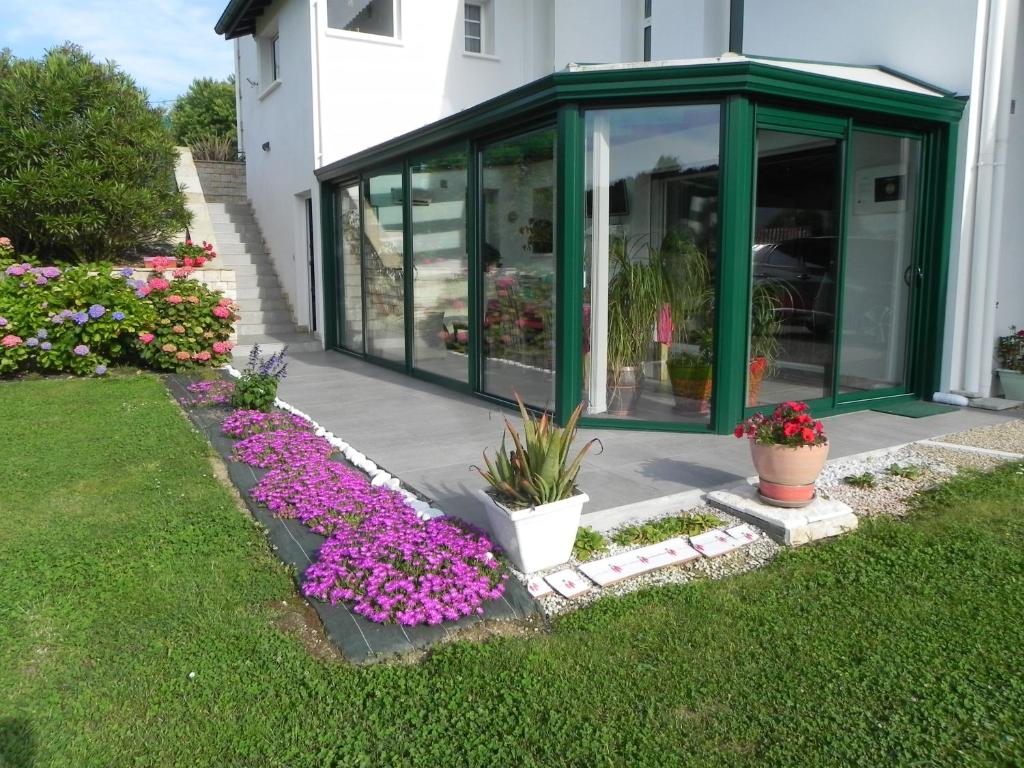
{"points": [[866, 75], [838, 88]]}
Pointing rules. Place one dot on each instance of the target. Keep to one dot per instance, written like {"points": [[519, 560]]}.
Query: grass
{"points": [[126, 567]]}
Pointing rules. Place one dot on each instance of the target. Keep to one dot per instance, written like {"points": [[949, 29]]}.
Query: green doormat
{"points": [[915, 409]]}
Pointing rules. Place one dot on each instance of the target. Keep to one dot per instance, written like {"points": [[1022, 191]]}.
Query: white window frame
{"points": [[479, 21], [487, 28], [269, 59], [370, 37], [646, 31]]}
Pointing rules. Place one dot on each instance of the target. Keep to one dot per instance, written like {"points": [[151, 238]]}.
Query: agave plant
{"points": [[539, 470]]}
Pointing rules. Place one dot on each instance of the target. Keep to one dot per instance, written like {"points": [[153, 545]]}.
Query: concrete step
{"points": [[229, 248], [271, 343], [246, 329], [260, 280], [265, 304], [248, 294], [265, 316]]}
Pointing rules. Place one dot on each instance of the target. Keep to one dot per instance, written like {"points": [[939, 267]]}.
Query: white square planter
{"points": [[536, 538], [1013, 384]]}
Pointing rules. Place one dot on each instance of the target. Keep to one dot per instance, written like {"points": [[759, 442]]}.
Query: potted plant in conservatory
{"points": [[533, 505], [635, 294], [789, 449], [765, 326], [1011, 361]]}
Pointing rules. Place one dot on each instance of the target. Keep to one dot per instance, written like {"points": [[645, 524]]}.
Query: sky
{"points": [[162, 44]]}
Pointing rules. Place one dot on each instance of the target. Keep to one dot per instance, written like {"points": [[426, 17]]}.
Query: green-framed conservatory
{"points": [[669, 244]]}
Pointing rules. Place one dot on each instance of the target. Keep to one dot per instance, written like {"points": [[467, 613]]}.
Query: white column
{"points": [[600, 209]]}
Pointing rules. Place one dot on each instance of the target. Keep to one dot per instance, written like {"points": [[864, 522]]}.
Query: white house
{"points": [[851, 204]]}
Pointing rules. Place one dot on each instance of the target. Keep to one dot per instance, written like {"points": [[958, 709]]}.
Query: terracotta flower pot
{"points": [[787, 473]]}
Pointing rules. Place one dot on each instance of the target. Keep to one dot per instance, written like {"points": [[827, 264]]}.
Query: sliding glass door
{"points": [[879, 271], [517, 261], [794, 267]]}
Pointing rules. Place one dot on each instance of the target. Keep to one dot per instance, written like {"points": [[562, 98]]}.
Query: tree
{"points": [[205, 111], [86, 168]]}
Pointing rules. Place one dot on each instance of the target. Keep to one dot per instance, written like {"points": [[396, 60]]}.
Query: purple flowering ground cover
{"points": [[383, 581], [144, 621]]}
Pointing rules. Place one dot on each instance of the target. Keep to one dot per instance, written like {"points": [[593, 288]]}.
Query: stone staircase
{"points": [[266, 317]]}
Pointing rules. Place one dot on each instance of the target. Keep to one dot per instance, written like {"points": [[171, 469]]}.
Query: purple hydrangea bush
{"points": [[379, 555]]}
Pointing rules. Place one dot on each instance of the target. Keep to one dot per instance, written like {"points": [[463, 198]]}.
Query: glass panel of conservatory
{"points": [[518, 263], [651, 253], [793, 266], [440, 265], [350, 271], [878, 275], [383, 266]]}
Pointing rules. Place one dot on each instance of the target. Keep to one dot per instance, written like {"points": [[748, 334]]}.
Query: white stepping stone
{"points": [[538, 587], [744, 533], [613, 569], [714, 543], [568, 583]]}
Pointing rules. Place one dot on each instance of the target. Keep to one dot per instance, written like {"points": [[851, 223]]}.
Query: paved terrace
{"points": [[429, 436]]}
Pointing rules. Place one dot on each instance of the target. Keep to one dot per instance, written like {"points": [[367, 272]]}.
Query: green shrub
{"points": [[206, 111], [86, 167], [256, 388], [588, 545], [80, 319], [192, 326], [863, 480]]}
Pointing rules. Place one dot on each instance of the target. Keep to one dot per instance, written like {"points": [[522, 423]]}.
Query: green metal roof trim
{"points": [[239, 18], [697, 81]]}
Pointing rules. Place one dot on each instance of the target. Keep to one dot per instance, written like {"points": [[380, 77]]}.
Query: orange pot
{"points": [[789, 465]]}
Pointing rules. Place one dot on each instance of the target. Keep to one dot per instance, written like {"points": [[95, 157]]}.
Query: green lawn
{"points": [[125, 566]]}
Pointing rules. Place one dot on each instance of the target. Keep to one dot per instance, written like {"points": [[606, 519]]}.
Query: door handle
{"points": [[911, 273]]}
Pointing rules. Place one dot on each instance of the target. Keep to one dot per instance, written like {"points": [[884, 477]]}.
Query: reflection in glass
{"points": [[651, 252], [518, 263], [440, 265], [350, 273], [384, 266], [794, 259], [877, 278]]}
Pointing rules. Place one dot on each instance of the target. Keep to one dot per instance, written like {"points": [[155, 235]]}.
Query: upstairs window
{"points": [[275, 58], [474, 28], [368, 17], [479, 27]]}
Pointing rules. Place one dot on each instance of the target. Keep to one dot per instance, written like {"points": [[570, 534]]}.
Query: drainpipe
{"points": [[239, 120], [984, 184]]}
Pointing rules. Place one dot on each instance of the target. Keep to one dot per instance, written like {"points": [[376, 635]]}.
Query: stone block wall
{"points": [[222, 181]]}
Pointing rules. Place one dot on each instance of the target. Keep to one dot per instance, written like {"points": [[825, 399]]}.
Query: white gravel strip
{"points": [[359, 460]]}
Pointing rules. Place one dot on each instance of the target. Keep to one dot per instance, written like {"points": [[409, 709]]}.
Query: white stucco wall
{"points": [[343, 92], [280, 114]]}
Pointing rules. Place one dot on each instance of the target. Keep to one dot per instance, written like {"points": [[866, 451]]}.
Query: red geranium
{"points": [[789, 424]]}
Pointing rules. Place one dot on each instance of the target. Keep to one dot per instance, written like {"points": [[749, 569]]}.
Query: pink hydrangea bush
{"points": [[193, 323], [246, 423]]}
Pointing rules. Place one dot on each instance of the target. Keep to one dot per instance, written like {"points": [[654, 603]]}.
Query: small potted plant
{"points": [[1011, 362], [690, 375], [256, 388], [789, 449], [533, 505]]}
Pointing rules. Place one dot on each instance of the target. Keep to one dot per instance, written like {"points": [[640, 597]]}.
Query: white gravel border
{"points": [[359, 460]]}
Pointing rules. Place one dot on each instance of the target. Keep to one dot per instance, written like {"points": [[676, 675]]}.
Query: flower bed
{"points": [[380, 556], [84, 318]]}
